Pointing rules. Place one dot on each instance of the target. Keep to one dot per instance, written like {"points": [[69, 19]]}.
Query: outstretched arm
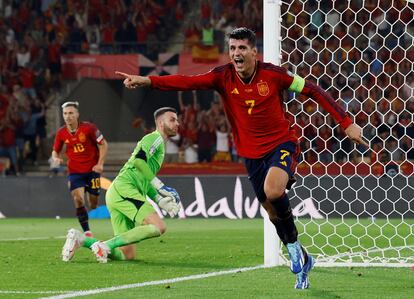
{"points": [[171, 82], [134, 81]]}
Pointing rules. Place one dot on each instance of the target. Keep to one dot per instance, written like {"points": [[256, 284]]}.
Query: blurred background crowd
{"points": [[360, 52]]}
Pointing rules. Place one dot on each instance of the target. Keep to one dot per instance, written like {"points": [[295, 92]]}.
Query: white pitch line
{"points": [[152, 283], [35, 292], [32, 238]]}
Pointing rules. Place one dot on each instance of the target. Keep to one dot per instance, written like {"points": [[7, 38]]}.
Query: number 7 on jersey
{"points": [[250, 103]]}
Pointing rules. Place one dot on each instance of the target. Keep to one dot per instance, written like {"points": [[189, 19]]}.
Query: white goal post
{"points": [[271, 51], [362, 53]]}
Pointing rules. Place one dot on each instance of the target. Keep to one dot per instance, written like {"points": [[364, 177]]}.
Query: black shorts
{"points": [[284, 156], [90, 180]]}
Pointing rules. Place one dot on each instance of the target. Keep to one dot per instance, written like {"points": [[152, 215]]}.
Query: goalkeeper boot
{"points": [[296, 256], [302, 278], [74, 240], [101, 251]]}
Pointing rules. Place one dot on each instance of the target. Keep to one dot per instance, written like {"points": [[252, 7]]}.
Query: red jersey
{"points": [[81, 146], [255, 110]]}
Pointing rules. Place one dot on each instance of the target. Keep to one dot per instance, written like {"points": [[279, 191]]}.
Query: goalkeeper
{"points": [[133, 218]]}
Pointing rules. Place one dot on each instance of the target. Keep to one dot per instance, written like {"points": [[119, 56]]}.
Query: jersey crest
{"points": [[263, 88]]}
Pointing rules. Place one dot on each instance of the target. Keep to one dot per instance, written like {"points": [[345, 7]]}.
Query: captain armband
{"points": [[297, 84]]}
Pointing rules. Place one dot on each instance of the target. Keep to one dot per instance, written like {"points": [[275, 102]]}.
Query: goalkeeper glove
{"points": [[168, 204], [165, 191]]}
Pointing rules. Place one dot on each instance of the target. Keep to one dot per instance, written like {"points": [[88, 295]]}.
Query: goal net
{"points": [[362, 53]]}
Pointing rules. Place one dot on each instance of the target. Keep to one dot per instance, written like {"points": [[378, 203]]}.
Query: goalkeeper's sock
{"points": [[117, 255], [284, 222], [83, 218], [87, 243], [134, 235]]}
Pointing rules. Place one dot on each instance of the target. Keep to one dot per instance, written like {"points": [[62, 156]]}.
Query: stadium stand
{"points": [[35, 34]]}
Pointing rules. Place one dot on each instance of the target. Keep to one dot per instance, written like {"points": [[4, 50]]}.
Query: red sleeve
{"points": [[57, 145], [95, 134], [181, 82], [284, 77], [328, 103]]}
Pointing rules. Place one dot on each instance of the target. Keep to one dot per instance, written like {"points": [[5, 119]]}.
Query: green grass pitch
{"points": [[30, 265]]}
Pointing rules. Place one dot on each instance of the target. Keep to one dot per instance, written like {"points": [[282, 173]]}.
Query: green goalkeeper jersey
{"points": [[133, 183]]}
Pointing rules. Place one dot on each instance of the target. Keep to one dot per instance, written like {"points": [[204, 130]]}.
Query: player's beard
{"points": [[168, 131]]}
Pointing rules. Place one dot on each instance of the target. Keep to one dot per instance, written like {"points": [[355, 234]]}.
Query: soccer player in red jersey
{"points": [[251, 92], [86, 149]]}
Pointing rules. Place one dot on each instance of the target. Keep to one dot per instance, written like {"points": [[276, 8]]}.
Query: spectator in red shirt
{"points": [[205, 140], [24, 13], [27, 77], [205, 9], [8, 143], [107, 36], [4, 102], [54, 51], [190, 110]]}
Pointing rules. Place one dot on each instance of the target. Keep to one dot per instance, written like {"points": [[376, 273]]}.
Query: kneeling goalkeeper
{"points": [[133, 218]]}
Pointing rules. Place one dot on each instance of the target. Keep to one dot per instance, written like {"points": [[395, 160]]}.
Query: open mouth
{"points": [[239, 62]]}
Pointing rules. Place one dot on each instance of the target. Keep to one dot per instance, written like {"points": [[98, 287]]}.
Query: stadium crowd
{"points": [[365, 62], [365, 57], [204, 134], [218, 18], [34, 35]]}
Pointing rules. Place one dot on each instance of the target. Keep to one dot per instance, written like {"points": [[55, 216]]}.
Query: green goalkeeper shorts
{"points": [[126, 213]]}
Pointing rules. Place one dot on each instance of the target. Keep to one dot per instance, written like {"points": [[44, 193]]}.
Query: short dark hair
{"points": [[244, 33], [162, 110]]}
